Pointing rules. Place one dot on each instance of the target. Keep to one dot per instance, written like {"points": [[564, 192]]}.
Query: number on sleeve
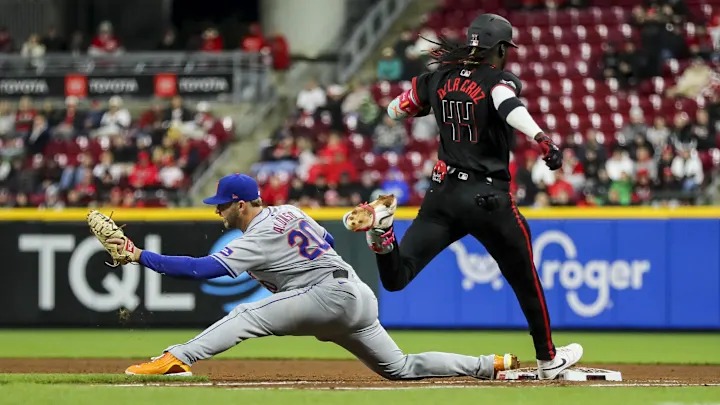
{"points": [[302, 236], [460, 115]]}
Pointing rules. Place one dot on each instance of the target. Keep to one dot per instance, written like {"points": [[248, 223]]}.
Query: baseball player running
{"points": [[316, 293], [476, 106]]}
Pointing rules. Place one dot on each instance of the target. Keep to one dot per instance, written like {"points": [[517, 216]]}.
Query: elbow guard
{"points": [[403, 106]]}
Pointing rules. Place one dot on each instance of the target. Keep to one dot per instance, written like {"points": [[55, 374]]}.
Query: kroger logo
{"points": [[237, 290], [599, 275]]}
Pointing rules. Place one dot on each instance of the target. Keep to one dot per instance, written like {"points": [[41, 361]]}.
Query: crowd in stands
{"points": [[630, 92], [106, 42], [103, 155]]}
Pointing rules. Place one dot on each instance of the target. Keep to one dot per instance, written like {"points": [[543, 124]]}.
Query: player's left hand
{"points": [[551, 153], [120, 247]]}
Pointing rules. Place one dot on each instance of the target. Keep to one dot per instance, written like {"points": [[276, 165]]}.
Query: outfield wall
{"points": [[601, 268]]}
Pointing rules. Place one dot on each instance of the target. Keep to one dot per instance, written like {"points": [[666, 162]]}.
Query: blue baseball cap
{"points": [[234, 187]]}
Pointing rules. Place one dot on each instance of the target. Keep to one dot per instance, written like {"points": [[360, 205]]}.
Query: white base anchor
{"points": [[571, 374]]}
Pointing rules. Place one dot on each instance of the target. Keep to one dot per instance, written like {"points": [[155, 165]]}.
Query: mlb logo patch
{"points": [[474, 40]]}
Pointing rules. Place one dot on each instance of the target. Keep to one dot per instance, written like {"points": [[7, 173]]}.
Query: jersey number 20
{"points": [[461, 116], [301, 237]]}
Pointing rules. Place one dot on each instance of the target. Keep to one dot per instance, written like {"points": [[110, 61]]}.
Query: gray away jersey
{"points": [[284, 249]]}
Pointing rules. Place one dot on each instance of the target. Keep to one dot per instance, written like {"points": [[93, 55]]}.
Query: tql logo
{"points": [[240, 289], [597, 274]]}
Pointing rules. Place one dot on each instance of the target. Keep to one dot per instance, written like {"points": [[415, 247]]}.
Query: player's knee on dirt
{"points": [[398, 370]]}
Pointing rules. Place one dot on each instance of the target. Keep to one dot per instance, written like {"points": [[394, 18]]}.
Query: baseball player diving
{"points": [[315, 292]]}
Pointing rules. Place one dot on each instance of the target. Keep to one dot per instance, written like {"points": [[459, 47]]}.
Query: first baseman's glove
{"points": [[551, 153], [104, 229]]}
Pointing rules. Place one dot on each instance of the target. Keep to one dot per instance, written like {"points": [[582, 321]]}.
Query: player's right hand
{"points": [[551, 153]]}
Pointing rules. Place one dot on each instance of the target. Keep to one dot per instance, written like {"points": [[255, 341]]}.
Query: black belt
{"points": [[465, 175], [340, 274]]}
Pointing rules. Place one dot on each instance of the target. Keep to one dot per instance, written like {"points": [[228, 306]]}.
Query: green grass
{"points": [[25, 394], [697, 348], [94, 379]]}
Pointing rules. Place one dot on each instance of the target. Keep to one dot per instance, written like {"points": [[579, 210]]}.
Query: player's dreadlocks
{"points": [[451, 53]]}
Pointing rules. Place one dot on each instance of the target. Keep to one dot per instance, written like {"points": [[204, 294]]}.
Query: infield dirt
{"points": [[338, 373]]}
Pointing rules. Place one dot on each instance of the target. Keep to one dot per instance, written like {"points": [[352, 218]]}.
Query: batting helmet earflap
{"points": [[487, 30]]}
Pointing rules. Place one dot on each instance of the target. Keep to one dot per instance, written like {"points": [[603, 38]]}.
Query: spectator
{"points": [[296, 191], [7, 44], [169, 42], [681, 135], [591, 165], [76, 171], [39, 136], [668, 184], [22, 201], [389, 136], [610, 61], [390, 66], [687, 168], [107, 166], [541, 200], [412, 65], [643, 189], [644, 163], [405, 42], [33, 49], [254, 41], [618, 164], [701, 131], [310, 98], [77, 43], [187, 156], [673, 44], [74, 199], [105, 42], [53, 42], [280, 51], [573, 170], [714, 28], [631, 65], [396, 184], [359, 105], [332, 110], [639, 142], [71, 120], [177, 113], [561, 192], [7, 120], [85, 188], [116, 119], [349, 191], [144, 173], [600, 188], [24, 116], [526, 190], [636, 127], [211, 40], [659, 133], [701, 44], [170, 175], [276, 191]]}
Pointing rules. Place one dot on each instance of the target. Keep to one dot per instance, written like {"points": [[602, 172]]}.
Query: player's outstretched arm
{"points": [[178, 266], [512, 110]]}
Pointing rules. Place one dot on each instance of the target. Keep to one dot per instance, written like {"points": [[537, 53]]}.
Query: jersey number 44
{"points": [[460, 115]]}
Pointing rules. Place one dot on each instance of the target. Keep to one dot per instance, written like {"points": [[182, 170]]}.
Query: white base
{"points": [[571, 374]]}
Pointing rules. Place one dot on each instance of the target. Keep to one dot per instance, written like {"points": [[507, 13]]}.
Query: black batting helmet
{"points": [[487, 30]]}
